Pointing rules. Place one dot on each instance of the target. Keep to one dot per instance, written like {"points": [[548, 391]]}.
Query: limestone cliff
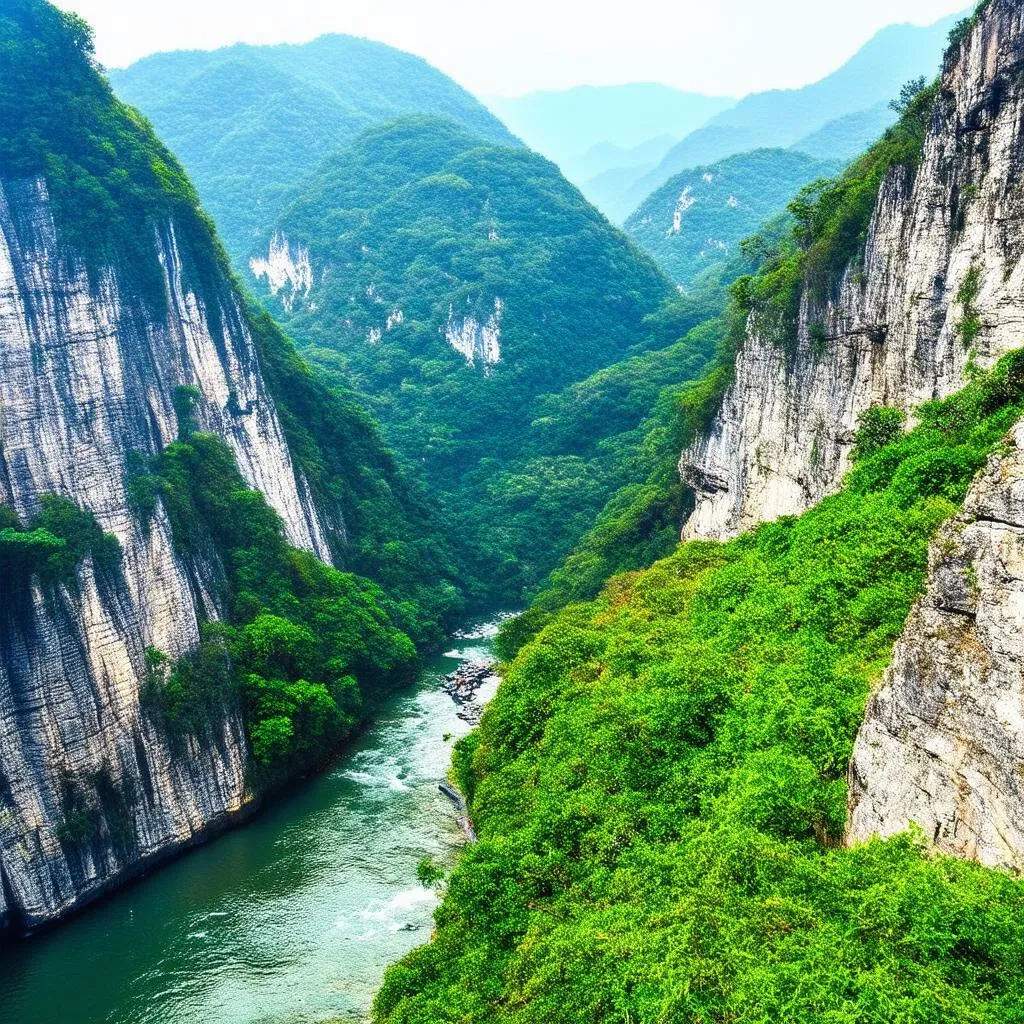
{"points": [[942, 745], [88, 381], [892, 335]]}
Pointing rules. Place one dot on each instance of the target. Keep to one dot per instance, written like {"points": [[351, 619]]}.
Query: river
{"points": [[290, 919]]}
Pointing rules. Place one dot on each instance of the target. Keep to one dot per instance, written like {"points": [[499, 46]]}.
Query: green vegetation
{"points": [[420, 225], [53, 544], [112, 183], [970, 325], [303, 643], [660, 786], [963, 27], [877, 428], [718, 206], [250, 123]]}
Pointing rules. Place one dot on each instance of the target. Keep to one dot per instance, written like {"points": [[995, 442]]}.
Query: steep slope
{"points": [[250, 122], [699, 218], [780, 118], [455, 283], [941, 744], [166, 479], [659, 786], [903, 293]]}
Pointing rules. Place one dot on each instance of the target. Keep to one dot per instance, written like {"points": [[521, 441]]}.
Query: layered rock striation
{"points": [[944, 246], [91, 790]]}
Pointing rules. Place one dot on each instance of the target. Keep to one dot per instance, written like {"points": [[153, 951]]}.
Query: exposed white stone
{"points": [[289, 276], [395, 319], [84, 380], [783, 436], [942, 744], [685, 202], [708, 178], [476, 340], [732, 202], [373, 335]]}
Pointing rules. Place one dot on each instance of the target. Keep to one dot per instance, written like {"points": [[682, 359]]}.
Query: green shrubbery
{"points": [[303, 643], [54, 544], [660, 786]]}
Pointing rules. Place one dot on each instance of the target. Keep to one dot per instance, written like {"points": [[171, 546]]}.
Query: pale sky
{"points": [[508, 47]]}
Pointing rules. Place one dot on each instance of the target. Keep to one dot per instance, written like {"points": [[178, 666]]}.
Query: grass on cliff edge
{"points": [[660, 787]]}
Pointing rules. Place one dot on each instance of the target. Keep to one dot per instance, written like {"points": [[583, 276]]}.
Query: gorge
{"points": [[755, 753]]}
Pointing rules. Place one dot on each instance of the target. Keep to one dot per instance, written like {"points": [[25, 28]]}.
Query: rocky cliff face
{"points": [[942, 745], [947, 238], [90, 790]]}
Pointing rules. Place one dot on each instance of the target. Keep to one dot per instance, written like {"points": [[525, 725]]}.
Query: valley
{"points": [[312, 362]]}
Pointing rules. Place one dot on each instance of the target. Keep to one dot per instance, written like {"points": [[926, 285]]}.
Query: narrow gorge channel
{"points": [[290, 919]]}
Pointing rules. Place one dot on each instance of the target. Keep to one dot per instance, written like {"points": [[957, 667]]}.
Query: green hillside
{"points": [[423, 238], [659, 787], [114, 189], [249, 123], [699, 217]]}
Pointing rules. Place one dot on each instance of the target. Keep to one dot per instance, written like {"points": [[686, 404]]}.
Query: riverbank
{"points": [[292, 917]]}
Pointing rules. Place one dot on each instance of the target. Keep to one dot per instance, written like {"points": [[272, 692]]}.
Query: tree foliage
{"points": [[660, 787]]}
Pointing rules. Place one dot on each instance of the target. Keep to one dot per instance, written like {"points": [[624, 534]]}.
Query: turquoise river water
{"points": [[290, 919]]}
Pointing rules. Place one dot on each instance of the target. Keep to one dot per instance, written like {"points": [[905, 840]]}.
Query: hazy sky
{"points": [[507, 47]]}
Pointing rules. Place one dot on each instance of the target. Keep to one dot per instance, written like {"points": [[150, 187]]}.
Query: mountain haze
{"points": [[783, 117]]}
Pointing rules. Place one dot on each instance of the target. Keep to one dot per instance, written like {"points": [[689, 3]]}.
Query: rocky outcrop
{"points": [[942, 744], [91, 790], [783, 436]]}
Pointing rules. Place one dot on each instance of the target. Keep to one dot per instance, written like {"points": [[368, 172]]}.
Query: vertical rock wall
{"points": [[783, 437], [85, 380]]}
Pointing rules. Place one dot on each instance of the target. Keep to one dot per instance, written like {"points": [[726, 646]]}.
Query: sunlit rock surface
{"points": [[87, 378]]}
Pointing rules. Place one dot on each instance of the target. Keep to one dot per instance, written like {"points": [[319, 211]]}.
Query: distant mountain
{"points": [[782, 117], [453, 283], [848, 137], [699, 217], [249, 123], [564, 126], [605, 156]]}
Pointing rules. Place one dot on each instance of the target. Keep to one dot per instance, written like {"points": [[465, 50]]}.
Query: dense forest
{"points": [[251, 122], [422, 239]]}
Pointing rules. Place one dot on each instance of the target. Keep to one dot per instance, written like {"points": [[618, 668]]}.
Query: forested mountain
{"points": [[179, 497], [684, 812], [783, 117], [249, 123], [454, 283], [699, 217]]}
